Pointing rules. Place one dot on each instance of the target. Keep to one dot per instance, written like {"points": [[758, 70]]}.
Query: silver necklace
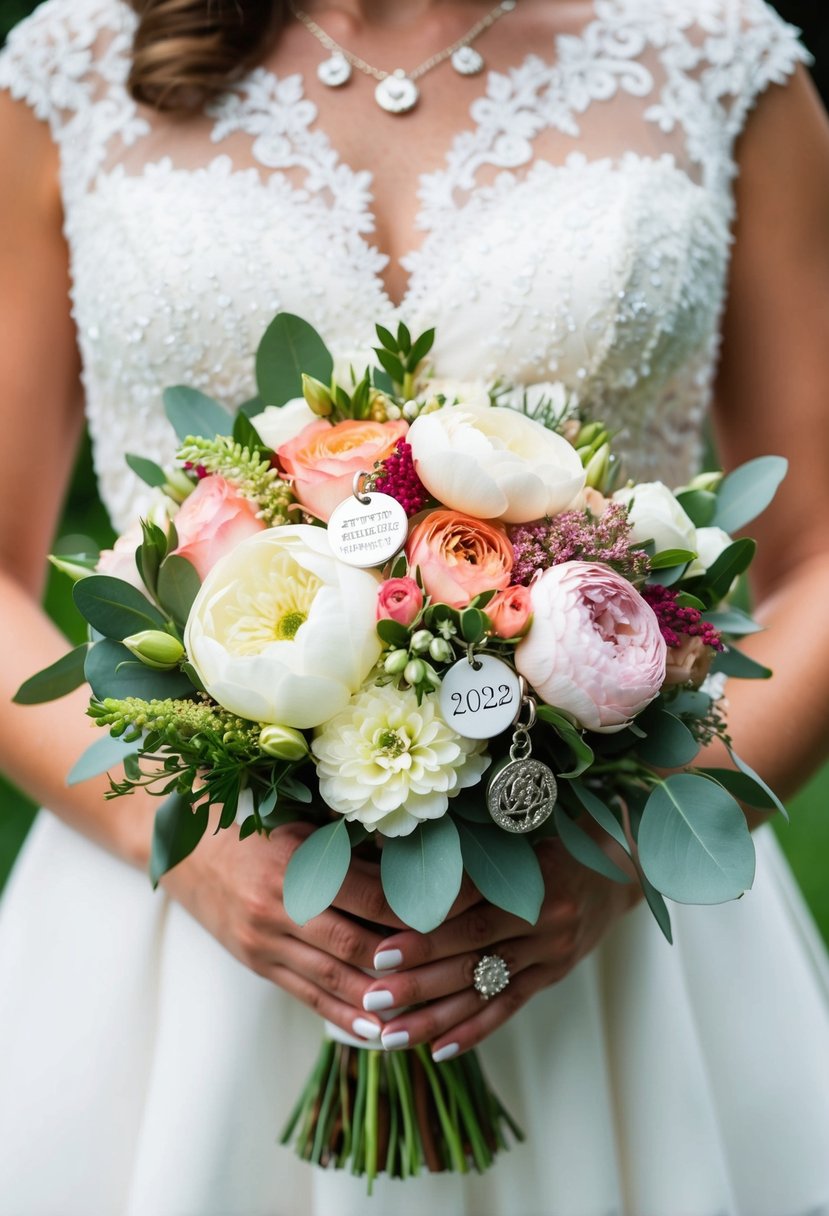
{"points": [[397, 91]]}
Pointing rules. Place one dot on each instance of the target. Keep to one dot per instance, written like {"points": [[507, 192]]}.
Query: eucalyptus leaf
{"points": [[601, 813], [504, 868], [177, 830], [744, 788], [178, 586], [732, 662], [745, 493], [733, 621], [584, 848], [104, 754], [290, 347], [581, 749], [694, 843], [316, 872], [699, 505], [149, 472], [115, 608], [749, 772], [112, 671], [245, 433], [54, 681], [658, 907], [688, 701], [422, 872], [191, 412], [669, 742]]}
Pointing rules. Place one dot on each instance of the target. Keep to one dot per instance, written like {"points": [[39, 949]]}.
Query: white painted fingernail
{"points": [[381, 999], [394, 1039], [444, 1053], [365, 1029], [386, 960]]}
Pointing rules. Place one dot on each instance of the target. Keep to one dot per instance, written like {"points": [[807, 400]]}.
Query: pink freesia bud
{"points": [[400, 600], [510, 611], [212, 521]]}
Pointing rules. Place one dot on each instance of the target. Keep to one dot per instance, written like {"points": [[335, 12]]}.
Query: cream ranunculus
{"points": [[494, 463], [281, 631], [655, 514], [279, 423], [389, 763]]}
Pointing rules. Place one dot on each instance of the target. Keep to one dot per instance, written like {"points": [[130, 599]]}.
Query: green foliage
{"points": [[503, 867], [193, 413], [422, 872], [249, 469], [115, 608], [177, 829], [56, 680], [100, 757], [669, 742], [584, 848], [290, 347], [178, 586], [112, 671], [316, 872], [745, 493]]}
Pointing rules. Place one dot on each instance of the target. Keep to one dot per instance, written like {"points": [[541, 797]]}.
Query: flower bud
{"points": [[317, 396], [283, 743], [74, 570], [155, 649], [415, 672], [379, 405], [395, 662], [421, 640], [588, 434], [440, 650], [411, 409], [597, 466], [706, 481], [393, 412], [178, 486], [432, 676]]}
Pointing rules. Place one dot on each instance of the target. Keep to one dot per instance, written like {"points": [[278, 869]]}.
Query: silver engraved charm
{"points": [[480, 698], [367, 529], [334, 71], [467, 61], [397, 94], [522, 793]]}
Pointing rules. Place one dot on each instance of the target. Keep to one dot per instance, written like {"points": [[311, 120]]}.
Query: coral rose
{"points": [[212, 522], [459, 556], [594, 649], [400, 600], [510, 611], [320, 462], [688, 663]]}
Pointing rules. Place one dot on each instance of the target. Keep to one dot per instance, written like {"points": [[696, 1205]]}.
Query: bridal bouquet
{"points": [[428, 619]]}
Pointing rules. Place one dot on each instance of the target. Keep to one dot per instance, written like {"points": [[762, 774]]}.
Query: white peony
{"points": [[494, 463], [711, 542], [389, 763], [656, 515], [279, 423], [281, 631]]}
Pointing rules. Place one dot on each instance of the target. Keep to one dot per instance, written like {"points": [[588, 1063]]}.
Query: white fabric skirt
{"points": [[144, 1072]]}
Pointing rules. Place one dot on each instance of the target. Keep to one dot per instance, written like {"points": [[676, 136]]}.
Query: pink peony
{"points": [[459, 556], [212, 521], [399, 599], [594, 648], [320, 462], [510, 611]]}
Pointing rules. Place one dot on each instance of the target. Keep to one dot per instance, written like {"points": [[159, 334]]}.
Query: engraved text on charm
{"points": [[397, 93], [334, 71], [521, 795], [367, 531]]}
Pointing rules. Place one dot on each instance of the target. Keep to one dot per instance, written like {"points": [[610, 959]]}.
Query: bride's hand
{"points": [[435, 971], [235, 891]]}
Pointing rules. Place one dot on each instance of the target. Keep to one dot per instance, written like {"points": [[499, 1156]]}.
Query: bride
{"points": [[625, 184]]}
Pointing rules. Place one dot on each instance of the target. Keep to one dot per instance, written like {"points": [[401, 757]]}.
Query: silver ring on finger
{"points": [[491, 976]]}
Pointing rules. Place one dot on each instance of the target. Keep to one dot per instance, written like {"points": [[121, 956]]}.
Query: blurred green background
{"points": [[806, 839]]}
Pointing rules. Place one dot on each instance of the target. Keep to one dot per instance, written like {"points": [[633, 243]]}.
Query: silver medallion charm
{"points": [[334, 71], [367, 529], [479, 699], [467, 61], [522, 793], [397, 93]]}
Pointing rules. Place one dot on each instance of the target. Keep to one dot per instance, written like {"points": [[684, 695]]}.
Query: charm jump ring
{"points": [[358, 488]]}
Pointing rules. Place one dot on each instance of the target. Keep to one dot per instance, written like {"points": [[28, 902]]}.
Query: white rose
{"points": [[711, 542], [281, 631], [656, 515], [465, 392], [279, 423], [494, 463]]}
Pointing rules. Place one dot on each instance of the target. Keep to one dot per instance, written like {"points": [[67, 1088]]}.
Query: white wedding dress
{"points": [[578, 230]]}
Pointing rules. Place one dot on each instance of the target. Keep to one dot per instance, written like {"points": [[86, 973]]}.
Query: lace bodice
{"points": [[577, 231]]}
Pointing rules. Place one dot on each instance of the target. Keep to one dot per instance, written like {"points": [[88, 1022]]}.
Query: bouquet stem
{"points": [[397, 1112]]}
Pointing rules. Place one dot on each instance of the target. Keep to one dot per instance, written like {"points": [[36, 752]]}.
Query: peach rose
{"points": [[400, 600], [459, 556], [321, 460], [688, 663], [212, 521], [510, 611]]}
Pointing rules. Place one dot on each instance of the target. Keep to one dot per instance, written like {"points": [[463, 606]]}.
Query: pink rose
{"points": [[688, 663], [594, 648], [459, 556], [510, 612], [212, 521], [399, 599], [320, 462]]}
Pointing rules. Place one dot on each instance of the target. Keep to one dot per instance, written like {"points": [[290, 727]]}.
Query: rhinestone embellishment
{"points": [[491, 976]]}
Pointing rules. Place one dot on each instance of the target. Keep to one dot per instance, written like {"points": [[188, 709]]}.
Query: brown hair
{"points": [[187, 51]]}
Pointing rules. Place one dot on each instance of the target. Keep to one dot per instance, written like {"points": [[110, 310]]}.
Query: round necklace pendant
{"points": [[521, 795], [467, 61], [397, 94], [334, 71]]}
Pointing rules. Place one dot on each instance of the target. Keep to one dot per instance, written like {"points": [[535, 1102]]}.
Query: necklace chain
{"points": [[329, 43]]}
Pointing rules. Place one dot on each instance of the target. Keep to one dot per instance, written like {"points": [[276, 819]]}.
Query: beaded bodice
{"points": [[577, 231]]}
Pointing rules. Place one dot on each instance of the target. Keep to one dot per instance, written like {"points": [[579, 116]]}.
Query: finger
{"points": [[351, 1020], [340, 936], [479, 1023], [476, 929], [362, 895], [446, 977], [346, 983]]}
